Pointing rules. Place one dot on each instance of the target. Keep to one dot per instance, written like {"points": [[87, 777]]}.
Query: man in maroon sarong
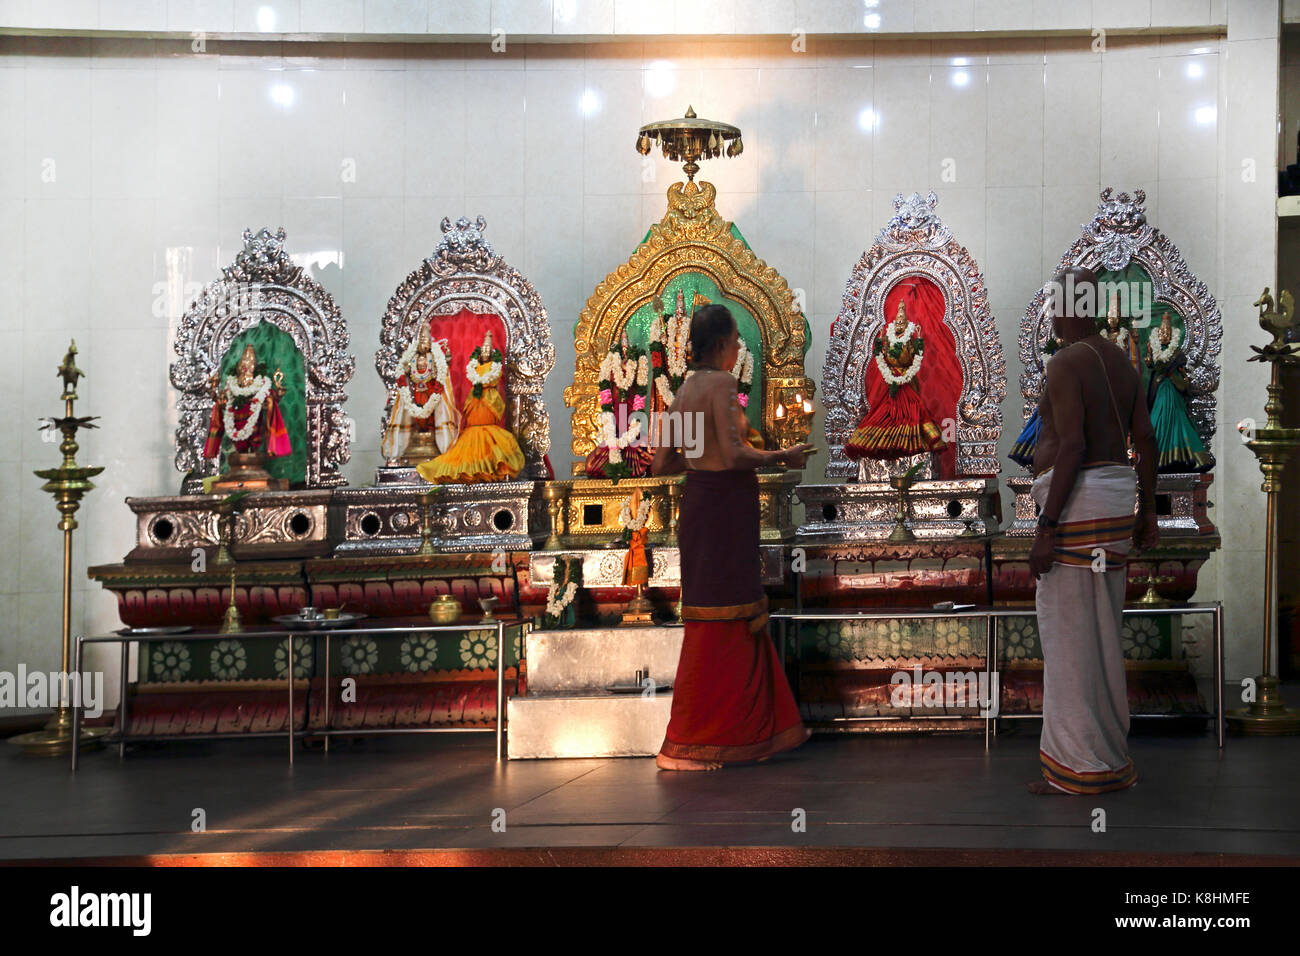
{"points": [[731, 700]]}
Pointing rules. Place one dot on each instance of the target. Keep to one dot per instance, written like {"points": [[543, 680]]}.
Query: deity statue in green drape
{"points": [[1181, 448]]}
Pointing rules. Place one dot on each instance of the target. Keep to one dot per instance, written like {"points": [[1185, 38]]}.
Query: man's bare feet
{"points": [[678, 763], [1045, 789]]}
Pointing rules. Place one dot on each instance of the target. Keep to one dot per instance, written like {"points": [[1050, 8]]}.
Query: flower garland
{"points": [[627, 520], [437, 374], [1163, 354], [902, 337], [563, 594], [493, 373], [257, 390], [743, 371], [896, 346], [668, 344], [559, 600], [626, 368]]}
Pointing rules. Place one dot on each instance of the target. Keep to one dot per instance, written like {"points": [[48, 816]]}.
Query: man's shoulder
{"points": [[713, 379], [1067, 358]]}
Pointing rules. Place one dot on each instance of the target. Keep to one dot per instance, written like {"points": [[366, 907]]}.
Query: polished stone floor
{"points": [[445, 790]]}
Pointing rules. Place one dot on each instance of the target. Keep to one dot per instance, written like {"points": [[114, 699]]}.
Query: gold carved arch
{"points": [[691, 237]]}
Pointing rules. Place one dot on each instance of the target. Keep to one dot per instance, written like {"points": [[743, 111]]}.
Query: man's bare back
{"points": [[1076, 371], [709, 394]]}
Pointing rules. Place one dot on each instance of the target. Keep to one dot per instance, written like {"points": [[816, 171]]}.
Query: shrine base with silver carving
{"points": [[867, 511], [1181, 505], [267, 525], [492, 516]]}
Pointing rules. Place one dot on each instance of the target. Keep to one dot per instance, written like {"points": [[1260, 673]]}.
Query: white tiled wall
{"points": [[130, 167]]}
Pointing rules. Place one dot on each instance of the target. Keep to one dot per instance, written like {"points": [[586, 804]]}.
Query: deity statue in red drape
{"points": [[897, 423], [246, 410], [424, 422]]}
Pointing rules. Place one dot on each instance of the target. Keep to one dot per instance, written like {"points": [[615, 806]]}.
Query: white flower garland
{"points": [[906, 334], [407, 403], [642, 515], [623, 372], [258, 388], [1121, 337], [665, 390], [743, 370], [405, 399], [1164, 353], [612, 440], [675, 345], [487, 378], [559, 600], [885, 371]]}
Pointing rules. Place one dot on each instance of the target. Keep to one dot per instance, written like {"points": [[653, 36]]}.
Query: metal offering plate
{"points": [[295, 622], [636, 688], [146, 631]]}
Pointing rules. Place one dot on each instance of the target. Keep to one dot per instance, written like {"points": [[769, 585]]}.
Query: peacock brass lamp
{"points": [[68, 484], [1273, 446]]}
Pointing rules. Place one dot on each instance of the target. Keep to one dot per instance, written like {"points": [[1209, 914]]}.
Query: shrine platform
{"points": [[934, 798]]}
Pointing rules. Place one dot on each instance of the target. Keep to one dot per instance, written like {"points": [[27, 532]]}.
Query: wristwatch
{"points": [[1047, 524]]}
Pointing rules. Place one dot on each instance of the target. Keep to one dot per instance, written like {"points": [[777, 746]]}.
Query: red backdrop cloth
{"points": [[940, 378], [731, 701], [464, 331]]}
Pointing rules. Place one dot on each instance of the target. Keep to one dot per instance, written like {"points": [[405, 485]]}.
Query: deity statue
{"points": [[484, 451], [424, 421], [1181, 448], [246, 412], [898, 426], [743, 372], [669, 351], [1026, 443], [1119, 330], [634, 517], [622, 446]]}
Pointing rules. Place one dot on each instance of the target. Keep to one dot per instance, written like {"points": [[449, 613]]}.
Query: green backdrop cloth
{"points": [[1134, 277], [691, 284], [638, 324], [276, 349]]}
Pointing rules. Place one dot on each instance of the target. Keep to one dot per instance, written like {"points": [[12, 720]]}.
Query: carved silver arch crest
{"points": [[915, 242], [464, 272], [264, 285], [1118, 235]]}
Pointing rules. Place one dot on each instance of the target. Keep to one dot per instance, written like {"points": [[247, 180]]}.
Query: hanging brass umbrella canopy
{"points": [[689, 139]]}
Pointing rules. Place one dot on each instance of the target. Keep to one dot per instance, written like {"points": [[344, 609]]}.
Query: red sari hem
{"points": [[787, 739], [731, 700]]}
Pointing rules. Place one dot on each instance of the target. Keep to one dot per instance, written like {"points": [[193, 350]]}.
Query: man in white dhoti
{"points": [[1085, 489]]}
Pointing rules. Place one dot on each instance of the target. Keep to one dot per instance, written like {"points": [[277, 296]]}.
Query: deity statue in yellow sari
{"points": [[484, 451]]}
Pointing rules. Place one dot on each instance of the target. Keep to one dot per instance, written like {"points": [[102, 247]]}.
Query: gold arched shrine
{"points": [[691, 238]]}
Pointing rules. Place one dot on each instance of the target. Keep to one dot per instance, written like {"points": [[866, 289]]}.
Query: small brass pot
{"points": [[445, 610]]}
